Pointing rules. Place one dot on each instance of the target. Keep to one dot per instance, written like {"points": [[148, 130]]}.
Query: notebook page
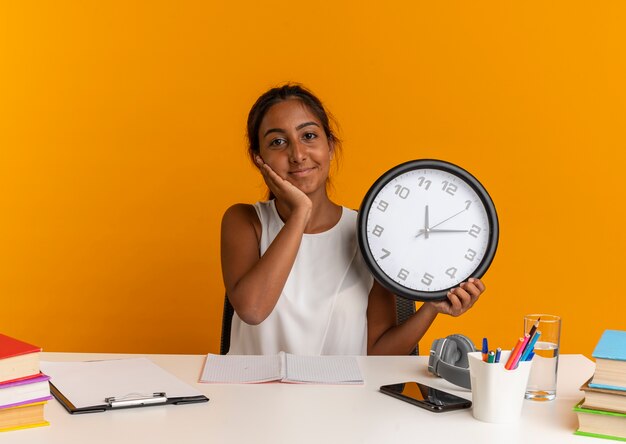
{"points": [[323, 369], [241, 368]]}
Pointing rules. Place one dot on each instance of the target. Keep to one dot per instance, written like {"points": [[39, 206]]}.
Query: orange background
{"points": [[122, 142]]}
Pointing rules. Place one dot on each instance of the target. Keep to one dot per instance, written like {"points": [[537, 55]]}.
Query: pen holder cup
{"points": [[497, 393]]}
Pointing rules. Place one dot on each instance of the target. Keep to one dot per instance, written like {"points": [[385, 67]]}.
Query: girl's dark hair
{"points": [[282, 93]]}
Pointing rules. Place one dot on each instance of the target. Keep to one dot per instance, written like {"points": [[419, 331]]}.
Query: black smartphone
{"points": [[426, 397]]}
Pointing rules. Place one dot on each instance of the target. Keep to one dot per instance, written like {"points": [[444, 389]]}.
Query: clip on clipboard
{"points": [[135, 400], [81, 386]]}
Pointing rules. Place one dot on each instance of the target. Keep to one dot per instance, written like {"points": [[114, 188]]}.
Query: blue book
{"points": [[610, 355]]}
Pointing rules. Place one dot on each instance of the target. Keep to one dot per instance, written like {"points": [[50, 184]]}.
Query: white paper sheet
{"points": [[87, 383], [241, 368], [322, 369]]}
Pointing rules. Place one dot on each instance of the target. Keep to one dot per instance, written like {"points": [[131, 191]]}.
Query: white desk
{"points": [[285, 413]]}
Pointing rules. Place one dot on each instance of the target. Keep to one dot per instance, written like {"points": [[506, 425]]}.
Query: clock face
{"points": [[425, 226]]}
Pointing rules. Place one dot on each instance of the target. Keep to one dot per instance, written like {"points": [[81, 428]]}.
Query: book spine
{"points": [[28, 401], [607, 387]]}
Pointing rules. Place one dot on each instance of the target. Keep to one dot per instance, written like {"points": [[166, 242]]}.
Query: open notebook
{"points": [[283, 367]]}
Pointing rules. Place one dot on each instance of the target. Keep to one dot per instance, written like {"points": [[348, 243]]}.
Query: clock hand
{"points": [[426, 229], [431, 230], [446, 220]]}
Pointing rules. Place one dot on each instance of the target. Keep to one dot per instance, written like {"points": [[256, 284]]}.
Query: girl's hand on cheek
{"points": [[283, 189]]}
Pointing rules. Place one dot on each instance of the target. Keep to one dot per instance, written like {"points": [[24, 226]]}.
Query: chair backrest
{"points": [[227, 318], [404, 310]]}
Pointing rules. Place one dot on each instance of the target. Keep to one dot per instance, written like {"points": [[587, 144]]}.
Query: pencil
{"points": [[519, 352], [530, 347], [535, 326], [514, 352]]}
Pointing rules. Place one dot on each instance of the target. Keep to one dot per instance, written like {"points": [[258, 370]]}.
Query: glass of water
{"points": [[542, 381]]}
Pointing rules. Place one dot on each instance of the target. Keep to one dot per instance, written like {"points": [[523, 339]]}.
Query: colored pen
{"points": [[491, 357], [531, 356], [520, 351], [515, 351], [485, 350], [498, 353], [531, 346]]}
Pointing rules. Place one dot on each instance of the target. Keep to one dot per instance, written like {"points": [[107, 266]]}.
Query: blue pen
{"points": [[530, 347], [530, 356], [498, 352], [485, 350]]}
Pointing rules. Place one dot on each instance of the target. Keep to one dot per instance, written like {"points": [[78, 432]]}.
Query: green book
{"points": [[600, 423], [597, 435]]}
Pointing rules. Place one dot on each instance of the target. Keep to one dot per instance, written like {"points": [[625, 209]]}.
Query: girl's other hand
{"points": [[461, 298]]}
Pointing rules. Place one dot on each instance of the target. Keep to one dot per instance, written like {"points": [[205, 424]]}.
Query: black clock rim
{"points": [[402, 168]]}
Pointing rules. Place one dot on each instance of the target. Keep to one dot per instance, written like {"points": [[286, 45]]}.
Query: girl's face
{"points": [[293, 143]]}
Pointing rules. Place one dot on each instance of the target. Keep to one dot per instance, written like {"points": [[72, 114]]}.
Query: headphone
{"points": [[448, 359]]}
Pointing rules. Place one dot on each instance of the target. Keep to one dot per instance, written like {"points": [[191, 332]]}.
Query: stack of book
{"points": [[603, 411], [23, 388]]}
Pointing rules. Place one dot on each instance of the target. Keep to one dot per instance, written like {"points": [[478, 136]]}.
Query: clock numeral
{"points": [[470, 255], [427, 279], [382, 206], [475, 231], [403, 192], [387, 253], [422, 181], [451, 272], [449, 188], [403, 274], [378, 230], [468, 203]]}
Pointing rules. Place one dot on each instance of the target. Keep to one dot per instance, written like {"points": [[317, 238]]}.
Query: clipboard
{"points": [[98, 386]]}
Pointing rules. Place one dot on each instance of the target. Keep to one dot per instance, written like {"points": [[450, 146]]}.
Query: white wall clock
{"points": [[425, 226]]}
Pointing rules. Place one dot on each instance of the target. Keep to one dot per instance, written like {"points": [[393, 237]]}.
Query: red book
{"points": [[18, 359]]}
